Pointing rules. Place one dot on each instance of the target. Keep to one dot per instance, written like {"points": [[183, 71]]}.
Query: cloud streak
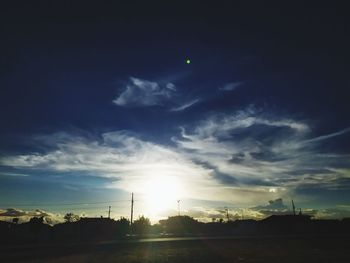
{"points": [[185, 106], [231, 86], [327, 136]]}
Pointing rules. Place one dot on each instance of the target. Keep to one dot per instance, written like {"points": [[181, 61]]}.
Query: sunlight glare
{"points": [[162, 193]]}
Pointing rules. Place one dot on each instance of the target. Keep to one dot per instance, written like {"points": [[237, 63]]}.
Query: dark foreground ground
{"points": [[285, 250]]}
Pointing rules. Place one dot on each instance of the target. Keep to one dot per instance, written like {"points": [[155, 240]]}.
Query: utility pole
{"points": [[109, 212], [178, 207], [293, 207], [132, 208], [227, 215]]}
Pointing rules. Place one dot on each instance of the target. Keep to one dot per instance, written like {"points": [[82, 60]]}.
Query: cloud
{"points": [[226, 125], [12, 212], [236, 144], [331, 213], [143, 93], [277, 207], [240, 157], [231, 86], [274, 207], [13, 174], [263, 151], [185, 106], [205, 214], [327, 136], [214, 172], [118, 155], [24, 216], [276, 204]]}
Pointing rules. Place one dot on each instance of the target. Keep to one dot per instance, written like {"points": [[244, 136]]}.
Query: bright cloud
{"points": [[144, 93], [25, 215], [236, 158], [121, 155], [141, 93]]}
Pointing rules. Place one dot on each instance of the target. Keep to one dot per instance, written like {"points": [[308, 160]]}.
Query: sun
{"points": [[162, 193]]}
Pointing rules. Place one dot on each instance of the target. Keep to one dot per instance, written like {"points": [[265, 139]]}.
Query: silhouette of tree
{"points": [[141, 226], [180, 225], [156, 229], [122, 226], [70, 217], [37, 220]]}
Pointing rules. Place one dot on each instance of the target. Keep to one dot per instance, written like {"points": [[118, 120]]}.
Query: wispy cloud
{"points": [[13, 174], [141, 93], [118, 154], [222, 157], [259, 150], [231, 86], [185, 106], [327, 136]]}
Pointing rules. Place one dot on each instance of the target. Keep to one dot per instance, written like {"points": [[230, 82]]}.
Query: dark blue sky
{"points": [[97, 100]]}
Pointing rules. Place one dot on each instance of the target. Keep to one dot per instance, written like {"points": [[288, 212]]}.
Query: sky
{"points": [[97, 102]]}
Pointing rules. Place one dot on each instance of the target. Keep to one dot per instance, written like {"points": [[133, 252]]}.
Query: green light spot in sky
{"points": [[188, 61]]}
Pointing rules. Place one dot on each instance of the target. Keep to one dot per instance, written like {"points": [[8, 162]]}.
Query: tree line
{"points": [[76, 229]]}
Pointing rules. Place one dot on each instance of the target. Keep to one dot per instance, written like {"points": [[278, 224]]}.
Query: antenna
{"points": [[227, 215], [109, 211], [178, 207]]}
